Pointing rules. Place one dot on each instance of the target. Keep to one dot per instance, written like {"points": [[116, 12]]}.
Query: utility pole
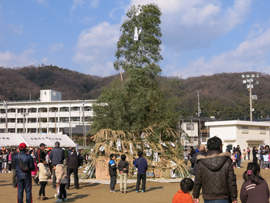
{"points": [[24, 114], [5, 104], [199, 108], [84, 137], [55, 121]]}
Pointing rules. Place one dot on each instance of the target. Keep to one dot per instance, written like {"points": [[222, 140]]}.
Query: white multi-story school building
{"points": [[50, 114]]}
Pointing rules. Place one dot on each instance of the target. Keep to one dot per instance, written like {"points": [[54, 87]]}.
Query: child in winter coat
{"points": [[44, 175], [183, 196], [61, 175], [255, 188], [233, 159]]}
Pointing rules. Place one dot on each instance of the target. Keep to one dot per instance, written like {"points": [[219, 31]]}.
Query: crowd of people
{"points": [[214, 174], [213, 170], [41, 165]]}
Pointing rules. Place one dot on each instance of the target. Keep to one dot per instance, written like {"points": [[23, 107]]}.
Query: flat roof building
{"points": [[50, 114], [244, 133]]}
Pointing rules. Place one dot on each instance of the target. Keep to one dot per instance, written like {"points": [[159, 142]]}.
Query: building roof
{"points": [[237, 122], [78, 130], [34, 140]]}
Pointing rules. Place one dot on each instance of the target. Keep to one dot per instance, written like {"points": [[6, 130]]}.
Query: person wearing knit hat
{"points": [[24, 164]]}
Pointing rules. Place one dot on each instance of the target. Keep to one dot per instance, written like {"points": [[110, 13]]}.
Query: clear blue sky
{"points": [[200, 37]]}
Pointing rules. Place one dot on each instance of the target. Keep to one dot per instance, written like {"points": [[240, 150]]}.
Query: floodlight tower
{"points": [[248, 79]]}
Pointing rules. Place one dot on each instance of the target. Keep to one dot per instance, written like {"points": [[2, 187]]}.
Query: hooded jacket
{"points": [[215, 175], [44, 174]]}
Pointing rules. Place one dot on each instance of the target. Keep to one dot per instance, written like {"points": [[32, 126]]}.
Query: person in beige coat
{"points": [[61, 175], [43, 176]]}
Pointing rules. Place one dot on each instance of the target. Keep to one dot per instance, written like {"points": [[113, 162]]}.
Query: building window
{"points": [[11, 110], [190, 126], [75, 108], [64, 120], [32, 110], [262, 130], [11, 120], [32, 130], [12, 130], [64, 109], [19, 120], [87, 108], [76, 119], [244, 129]]}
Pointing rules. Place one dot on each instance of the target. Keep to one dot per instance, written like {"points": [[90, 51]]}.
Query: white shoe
{"points": [[238, 167]]}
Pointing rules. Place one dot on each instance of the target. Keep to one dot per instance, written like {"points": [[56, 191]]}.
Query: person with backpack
{"points": [[141, 164], [255, 188], [24, 165]]}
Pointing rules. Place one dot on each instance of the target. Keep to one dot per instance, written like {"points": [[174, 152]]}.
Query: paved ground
{"points": [[156, 192]]}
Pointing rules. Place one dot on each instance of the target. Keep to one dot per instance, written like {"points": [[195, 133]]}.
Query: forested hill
{"points": [[223, 95]]}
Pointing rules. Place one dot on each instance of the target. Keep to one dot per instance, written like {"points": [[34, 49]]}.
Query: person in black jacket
{"points": [[191, 154], [41, 153], [24, 180], [112, 172], [73, 163], [123, 167], [57, 157]]}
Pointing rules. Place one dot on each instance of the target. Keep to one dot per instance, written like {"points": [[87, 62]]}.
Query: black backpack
{"points": [[24, 166]]}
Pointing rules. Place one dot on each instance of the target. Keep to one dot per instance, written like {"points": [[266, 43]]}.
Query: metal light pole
{"points": [[248, 79], [5, 105], [199, 108], [24, 114]]}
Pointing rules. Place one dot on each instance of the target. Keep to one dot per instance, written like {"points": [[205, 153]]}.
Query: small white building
{"points": [[190, 129], [244, 133]]}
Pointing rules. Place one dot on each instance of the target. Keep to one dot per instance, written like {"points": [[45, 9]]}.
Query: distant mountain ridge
{"points": [[223, 95]]}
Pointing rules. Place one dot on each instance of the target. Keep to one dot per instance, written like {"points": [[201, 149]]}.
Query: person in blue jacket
{"points": [[141, 164], [24, 181]]}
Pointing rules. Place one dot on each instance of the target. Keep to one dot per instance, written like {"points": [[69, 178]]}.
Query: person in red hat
{"points": [[24, 165]]}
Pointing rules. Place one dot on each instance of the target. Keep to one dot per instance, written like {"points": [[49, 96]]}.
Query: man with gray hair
{"points": [[57, 157]]}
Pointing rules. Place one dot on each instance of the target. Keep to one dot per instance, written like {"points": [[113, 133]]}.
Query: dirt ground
{"points": [[93, 192]]}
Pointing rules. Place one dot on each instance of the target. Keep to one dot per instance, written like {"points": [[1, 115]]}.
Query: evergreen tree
{"points": [[137, 102]]}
